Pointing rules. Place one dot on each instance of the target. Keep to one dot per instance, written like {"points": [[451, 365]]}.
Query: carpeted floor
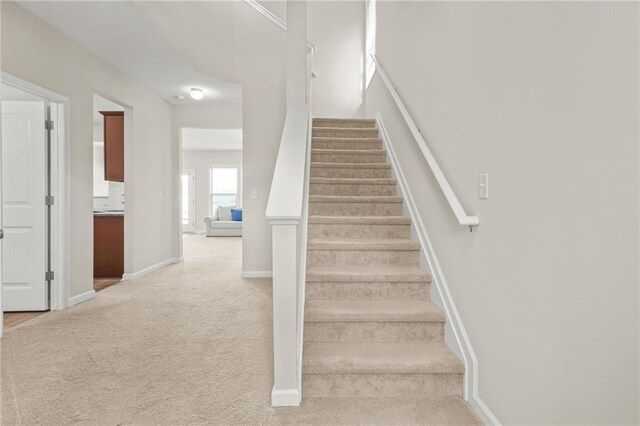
{"points": [[189, 344]]}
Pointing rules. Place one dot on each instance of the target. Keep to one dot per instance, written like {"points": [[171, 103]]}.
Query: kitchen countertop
{"points": [[109, 213]]}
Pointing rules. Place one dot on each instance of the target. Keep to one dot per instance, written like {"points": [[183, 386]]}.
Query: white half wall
{"points": [[36, 52], [542, 96], [200, 161]]}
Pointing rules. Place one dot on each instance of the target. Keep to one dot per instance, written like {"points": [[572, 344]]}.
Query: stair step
{"points": [[348, 155], [344, 122], [407, 409], [372, 311], [342, 132], [434, 386], [352, 186], [373, 320], [351, 170], [364, 227], [346, 143], [329, 205], [380, 358], [364, 245], [367, 290], [386, 274]]}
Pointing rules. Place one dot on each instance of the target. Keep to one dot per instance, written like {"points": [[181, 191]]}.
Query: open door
{"points": [[25, 213]]}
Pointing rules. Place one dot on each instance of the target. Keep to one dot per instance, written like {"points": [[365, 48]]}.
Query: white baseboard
{"points": [[285, 398], [82, 297], [148, 270], [256, 274], [455, 333]]}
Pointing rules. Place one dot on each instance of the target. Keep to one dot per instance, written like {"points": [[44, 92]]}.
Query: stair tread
{"points": [[355, 198], [390, 244], [339, 139], [347, 151], [367, 274], [360, 220], [351, 165], [334, 310], [353, 181], [380, 358]]}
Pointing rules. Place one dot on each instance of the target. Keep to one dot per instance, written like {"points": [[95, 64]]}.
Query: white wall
{"points": [[544, 97], [34, 51], [200, 160], [337, 29]]}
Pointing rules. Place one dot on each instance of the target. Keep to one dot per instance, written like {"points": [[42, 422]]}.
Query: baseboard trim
{"points": [[148, 270], [256, 274], [461, 344], [285, 398], [82, 297]]}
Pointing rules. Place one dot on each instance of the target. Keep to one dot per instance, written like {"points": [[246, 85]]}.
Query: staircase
{"points": [[371, 331]]}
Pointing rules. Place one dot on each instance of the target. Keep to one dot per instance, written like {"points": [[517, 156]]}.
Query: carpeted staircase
{"points": [[371, 330]]}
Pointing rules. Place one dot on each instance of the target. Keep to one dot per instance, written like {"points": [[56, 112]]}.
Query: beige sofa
{"points": [[221, 225]]}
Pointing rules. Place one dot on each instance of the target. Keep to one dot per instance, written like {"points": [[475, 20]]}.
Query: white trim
{"points": [[302, 278], [256, 274], [152, 268], [285, 398], [454, 203], [454, 326], [276, 20], [82, 297]]}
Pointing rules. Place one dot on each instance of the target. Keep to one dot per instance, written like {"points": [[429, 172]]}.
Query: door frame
{"points": [[59, 110], [192, 198]]}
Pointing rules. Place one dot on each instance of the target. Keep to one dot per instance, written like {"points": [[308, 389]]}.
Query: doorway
{"points": [[33, 266]]}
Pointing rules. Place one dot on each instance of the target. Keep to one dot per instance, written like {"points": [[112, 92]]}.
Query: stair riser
{"points": [[355, 209], [362, 257], [367, 291], [362, 124], [346, 172], [348, 231], [348, 158], [373, 331], [354, 189], [344, 133], [340, 144], [382, 385]]}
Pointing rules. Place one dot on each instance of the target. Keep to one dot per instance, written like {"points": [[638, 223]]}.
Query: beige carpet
{"points": [[190, 344]]}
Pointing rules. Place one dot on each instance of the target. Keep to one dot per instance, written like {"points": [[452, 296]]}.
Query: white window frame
{"points": [[238, 193]]}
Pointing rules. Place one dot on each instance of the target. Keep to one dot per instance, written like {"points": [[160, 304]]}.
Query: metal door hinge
{"points": [[48, 124], [49, 200], [49, 275]]}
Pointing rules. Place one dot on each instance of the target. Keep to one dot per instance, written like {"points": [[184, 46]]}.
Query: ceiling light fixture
{"points": [[196, 93]]}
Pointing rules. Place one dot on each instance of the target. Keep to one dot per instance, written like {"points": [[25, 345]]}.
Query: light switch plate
{"points": [[254, 194], [483, 186]]}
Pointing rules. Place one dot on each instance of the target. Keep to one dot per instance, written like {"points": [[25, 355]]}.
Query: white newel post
{"points": [[284, 240]]}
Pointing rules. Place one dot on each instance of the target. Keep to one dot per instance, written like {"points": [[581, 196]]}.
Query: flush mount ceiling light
{"points": [[196, 93]]}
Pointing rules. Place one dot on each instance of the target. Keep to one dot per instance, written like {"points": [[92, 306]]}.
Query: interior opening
{"points": [[211, 183], [108, 192]]}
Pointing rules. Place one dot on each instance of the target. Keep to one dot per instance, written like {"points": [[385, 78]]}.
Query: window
{"points": [[370, 42], [225, 187]]}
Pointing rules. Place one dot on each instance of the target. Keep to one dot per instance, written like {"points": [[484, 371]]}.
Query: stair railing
{"points": [[462, 217], [287, 213]]}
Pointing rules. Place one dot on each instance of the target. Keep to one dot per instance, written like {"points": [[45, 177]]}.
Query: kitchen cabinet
{"points": [[113, 145], [108, 245]]}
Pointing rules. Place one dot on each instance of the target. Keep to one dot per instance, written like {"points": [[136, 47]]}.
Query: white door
{"points": [[188, 182], [24, 211]]}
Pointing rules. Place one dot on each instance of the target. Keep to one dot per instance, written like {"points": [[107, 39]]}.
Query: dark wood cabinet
{"points": [[108, 246], [113, 145]]}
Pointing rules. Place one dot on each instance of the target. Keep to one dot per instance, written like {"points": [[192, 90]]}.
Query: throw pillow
{"points": [[224, 214], [236, 215]]}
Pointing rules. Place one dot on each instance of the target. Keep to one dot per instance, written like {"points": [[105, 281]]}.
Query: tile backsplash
{"points": [[115, 200]]}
